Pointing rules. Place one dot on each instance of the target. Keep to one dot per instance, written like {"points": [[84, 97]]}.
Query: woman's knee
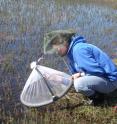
{"points": [[78, 85]]}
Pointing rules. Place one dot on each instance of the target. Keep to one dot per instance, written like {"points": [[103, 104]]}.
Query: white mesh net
{"points": [[44, 85]]}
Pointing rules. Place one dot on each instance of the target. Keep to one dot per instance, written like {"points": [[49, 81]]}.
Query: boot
{"points": [[97, 98]]}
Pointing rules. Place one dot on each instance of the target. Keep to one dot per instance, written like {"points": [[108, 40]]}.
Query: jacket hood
{"points": [[76, 39]]}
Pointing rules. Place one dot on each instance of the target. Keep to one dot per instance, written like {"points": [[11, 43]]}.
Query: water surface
{"points": [[23, 24]]}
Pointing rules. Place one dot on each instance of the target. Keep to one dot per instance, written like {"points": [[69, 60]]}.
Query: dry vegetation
{"points": [[22, 27]]}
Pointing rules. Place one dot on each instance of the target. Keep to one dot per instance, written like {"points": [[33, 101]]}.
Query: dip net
{"points": [[44, 85]]}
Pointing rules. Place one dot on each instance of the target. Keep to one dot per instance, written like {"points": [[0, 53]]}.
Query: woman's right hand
{"points": [[75, 76]]}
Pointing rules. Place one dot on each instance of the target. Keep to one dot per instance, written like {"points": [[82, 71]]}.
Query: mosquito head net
{"points": [[49, 37]]}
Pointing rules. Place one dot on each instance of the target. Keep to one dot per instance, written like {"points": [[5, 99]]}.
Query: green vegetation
{"points": [[23, 24], [64, 111]]}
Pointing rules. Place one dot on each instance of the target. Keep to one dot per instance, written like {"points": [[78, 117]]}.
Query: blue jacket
{"points": [[84, 57]]}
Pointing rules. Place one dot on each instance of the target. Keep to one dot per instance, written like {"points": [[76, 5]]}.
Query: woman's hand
{"points": [[75, 76]]}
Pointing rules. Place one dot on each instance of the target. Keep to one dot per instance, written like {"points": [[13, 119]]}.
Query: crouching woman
{"points": [[100, 73]]}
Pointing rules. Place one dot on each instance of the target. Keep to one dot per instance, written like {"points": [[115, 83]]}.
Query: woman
{"points": [[100, 73]]}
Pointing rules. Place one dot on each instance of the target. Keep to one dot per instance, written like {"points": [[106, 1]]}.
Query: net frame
{"points": [[53, 98]]}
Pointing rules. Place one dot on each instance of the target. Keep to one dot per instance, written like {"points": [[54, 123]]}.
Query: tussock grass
{"points": [[63, 111], [23, 24]]}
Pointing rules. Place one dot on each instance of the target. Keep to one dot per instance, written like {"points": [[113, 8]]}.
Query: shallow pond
{"points": [[23, 24]]}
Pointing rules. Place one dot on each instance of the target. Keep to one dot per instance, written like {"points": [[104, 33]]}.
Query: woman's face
{"points": [[61, 49]]}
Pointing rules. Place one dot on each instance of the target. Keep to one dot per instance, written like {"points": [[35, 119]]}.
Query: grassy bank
{"points": [[65, 111]]}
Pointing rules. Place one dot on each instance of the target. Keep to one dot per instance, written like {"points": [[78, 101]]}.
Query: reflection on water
{"points": [[22, 27]]}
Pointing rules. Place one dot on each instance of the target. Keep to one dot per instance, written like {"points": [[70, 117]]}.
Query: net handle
{"points": [[82, 73], [52, 93]]}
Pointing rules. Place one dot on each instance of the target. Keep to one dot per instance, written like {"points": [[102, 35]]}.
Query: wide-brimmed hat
{"points": [[48, 37]]}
